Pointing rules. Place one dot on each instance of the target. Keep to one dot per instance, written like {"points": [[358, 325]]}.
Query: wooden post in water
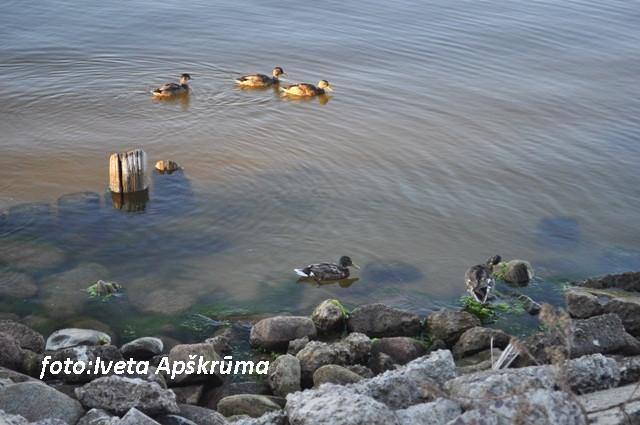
{"points": [[128, 180]]}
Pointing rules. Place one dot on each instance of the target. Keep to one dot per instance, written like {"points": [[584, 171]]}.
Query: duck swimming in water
{"points": [[304, 89], [328, 271], [172, 89], [479, 279], [261, 80]]}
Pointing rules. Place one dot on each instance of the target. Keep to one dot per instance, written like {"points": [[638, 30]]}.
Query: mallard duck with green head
{"points": [[304, 89], [261, 80], [172, 89], [479, 279], [328, 271]]}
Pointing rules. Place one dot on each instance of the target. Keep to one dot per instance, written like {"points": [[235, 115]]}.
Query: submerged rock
{"points": [[16, 285], [30, 256]]}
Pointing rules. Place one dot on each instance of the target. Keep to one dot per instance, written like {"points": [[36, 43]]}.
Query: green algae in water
{"points": [[485, 312]]}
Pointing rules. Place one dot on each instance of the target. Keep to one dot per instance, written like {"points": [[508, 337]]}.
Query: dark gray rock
{"points": [[142, 348], [629, 369], [96, 417], [274, 333], [591, 373], [518, 273], [532, 307], [118, 395], [335, 404], [201, 415], [581, 303], [329, 316], [72, 337], [378, 320], [136, 417], [363, 371], [26, 337], [449, 325], [629, 281], [37, 401], [437, 412], [284, 375], [296, 345], [190, 394], [335, 374], [11, 355], [380, 363], [316, 354], [401, 349], [359, 347], [211, 398], [587, 302], [220, 344], [253, 405], [478, 339], [14, 376]]}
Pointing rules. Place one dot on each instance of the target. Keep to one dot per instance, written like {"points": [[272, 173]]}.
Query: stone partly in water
{"points": [[329, 316], [379, 320], [449, 325], [142, 348], [274, 333]]}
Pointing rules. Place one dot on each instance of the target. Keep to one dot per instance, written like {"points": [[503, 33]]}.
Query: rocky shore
{"points": [[373, 365]]}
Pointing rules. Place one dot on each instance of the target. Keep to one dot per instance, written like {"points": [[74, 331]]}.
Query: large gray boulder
{"points": [[96, 417], [401, 349], [37, 401], [591, 373], [335, 404], [449, 325], [329, 316], [629, 281], [26, 337], [479, 339], [136, 417], [203, 354], [379, 320], [284, 375], [437, 412], [117, 394], [533, 407], [71, 337], [405, 387], [274, 333], [359, 347]]}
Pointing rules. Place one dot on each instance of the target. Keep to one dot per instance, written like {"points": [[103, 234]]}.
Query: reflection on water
{"points": [[499, 127]]}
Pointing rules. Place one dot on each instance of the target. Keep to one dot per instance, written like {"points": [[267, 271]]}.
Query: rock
{"points": [[478, 339], [437, 412], [629, 281], [166, 166], [402, 388], [253, 405], [284, 375], [401, 349], [220, 344], [95, 417], [271, 418], [359, 347], [335, 374], [329, 316], [5, 382], [600, 334], [380, 363], [14, 376], [378, 320], [188, 395], [603, 407], [212, 397], [30, 256], [16, 285], [71, 337], [117, 394], [530, 306], [274, 333], [316, 354], [586, 302], [363, 371], [335, 404], [142, 348], [591, 373], [8, 419], [518, 273], [449, 325], [478, 362], [534, 407], [629, 369], [11, 355], [136, 417], [201, 415], [37, 401], [26, 337], [83, 353], [197, 353], [296, 345]]}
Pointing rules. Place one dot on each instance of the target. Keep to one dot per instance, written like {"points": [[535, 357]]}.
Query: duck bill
{"points": [[284, 74], [354, 265], [331, 89]]}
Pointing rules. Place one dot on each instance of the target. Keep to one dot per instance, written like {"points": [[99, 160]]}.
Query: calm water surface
{"points": [[456, 130]]}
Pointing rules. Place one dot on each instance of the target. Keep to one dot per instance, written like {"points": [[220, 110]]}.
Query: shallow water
{"points": [[455, 131]]}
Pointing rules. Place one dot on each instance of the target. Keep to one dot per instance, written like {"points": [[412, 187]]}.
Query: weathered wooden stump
{"points": [[128, 180]]}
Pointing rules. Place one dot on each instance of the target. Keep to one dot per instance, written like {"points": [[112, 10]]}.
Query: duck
{"points": [[172, 89], [479, 279], [304, 89], [328, 271], [261, 80]]}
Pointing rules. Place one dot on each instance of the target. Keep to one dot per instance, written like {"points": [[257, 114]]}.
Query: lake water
{"points": [[456, 130]]}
